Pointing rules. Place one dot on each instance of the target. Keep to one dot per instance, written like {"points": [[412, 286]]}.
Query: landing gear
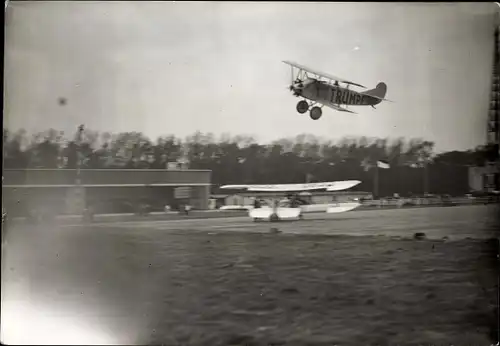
{"points": [[302, 107], [274, 217], [315, 113]]}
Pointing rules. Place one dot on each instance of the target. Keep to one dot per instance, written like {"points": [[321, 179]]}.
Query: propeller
{"points": [[298, 83]]}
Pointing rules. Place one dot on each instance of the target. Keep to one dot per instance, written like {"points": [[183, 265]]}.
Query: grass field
{"points": [[175, 287]]}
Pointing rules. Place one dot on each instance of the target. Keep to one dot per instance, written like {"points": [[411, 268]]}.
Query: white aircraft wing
{"points": [[322, 74], [328, 186]]}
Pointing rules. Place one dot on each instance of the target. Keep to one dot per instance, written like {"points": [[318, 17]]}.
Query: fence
{"points": [[406, 202]]}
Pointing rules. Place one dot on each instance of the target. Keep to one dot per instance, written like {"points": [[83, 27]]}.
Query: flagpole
{"points": [[426, 179]]}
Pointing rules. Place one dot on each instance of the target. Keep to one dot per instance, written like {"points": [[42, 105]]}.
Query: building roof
{"points": [[105, 177]]}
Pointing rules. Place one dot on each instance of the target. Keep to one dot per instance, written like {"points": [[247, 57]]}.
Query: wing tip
{"points": [[235, 187], [348, 184]]}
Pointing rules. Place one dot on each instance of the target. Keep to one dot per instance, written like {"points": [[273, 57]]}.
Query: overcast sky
{"points": [[162, 68]]}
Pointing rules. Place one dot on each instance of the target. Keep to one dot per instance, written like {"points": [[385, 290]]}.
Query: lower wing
{"points": [[340, 109], [336, 107]]}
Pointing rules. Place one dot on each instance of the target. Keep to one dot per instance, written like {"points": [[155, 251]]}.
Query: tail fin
{"points": [[379, 91]]}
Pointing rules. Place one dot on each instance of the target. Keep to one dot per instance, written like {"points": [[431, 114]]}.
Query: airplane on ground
{"points": [[294, 206], [319, 90]]}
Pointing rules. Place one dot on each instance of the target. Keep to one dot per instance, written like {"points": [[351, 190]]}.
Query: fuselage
{"points": [[307, 208], [328, 94], [288, 212], [304, 208]]}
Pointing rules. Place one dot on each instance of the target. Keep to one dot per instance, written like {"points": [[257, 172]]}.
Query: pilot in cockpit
{"points": [[294, 203], [256, 203]]}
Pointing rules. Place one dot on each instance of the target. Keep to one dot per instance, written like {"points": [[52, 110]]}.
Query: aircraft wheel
{"points": [[274, 217], [302, 107], [315, 113]]}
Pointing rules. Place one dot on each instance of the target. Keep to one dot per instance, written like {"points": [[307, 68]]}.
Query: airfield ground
{"points": [[232, 282]]}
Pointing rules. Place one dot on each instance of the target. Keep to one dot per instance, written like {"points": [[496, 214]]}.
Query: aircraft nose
{"points": [[296, 91], [296, 87]]}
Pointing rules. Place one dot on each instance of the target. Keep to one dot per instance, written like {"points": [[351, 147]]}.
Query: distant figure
{"points": [[187, 208], [256, 203], [88, 213], [167, 208]]}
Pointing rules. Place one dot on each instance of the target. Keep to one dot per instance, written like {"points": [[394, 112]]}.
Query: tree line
{"points": [[414, 165]]}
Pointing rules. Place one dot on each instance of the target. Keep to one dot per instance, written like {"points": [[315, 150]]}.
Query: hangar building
{"points": [[106, 190]]}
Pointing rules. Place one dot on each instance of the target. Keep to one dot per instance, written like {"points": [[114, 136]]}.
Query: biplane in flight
{"points": [[324, 89], [295, 204]]}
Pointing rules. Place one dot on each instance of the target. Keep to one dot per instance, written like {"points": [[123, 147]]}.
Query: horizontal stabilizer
{"points": [[342, 207], [381, 99]]}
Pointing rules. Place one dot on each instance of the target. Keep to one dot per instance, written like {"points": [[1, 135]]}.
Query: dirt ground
{"points": [[202, 288]]}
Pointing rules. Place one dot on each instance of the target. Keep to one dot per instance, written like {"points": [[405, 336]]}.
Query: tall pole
{"points": [[375, 183], [426, 179], [78, 180], [79, 134]]}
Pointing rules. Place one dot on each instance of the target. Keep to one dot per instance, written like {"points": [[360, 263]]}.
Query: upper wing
{"points": [[329, 186], [323, 74]]}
